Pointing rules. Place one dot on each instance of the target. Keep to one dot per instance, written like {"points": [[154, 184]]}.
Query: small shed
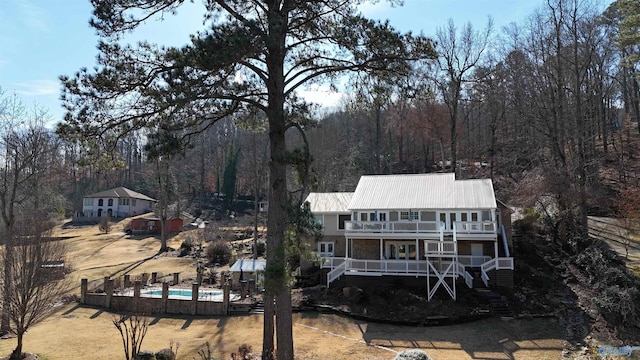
{"points": [[246, 269], [152, 225]]}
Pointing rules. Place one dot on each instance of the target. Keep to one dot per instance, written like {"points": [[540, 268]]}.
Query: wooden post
{"points": [[84, 286], [194, 298], [127, 280], [226, 289], [252, 287], [136, 295], [176, 278], [165, 297], [154, 277], [243, 289], [108, 289]]}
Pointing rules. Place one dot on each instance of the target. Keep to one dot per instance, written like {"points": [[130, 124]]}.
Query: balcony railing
{"points": [[473, 261], [475, 227], [420, 227], [444, 248], [394, 226]]}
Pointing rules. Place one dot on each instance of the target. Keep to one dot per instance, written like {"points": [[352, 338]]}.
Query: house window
{"points": [[363, 216], [123, 201], [474, 216], [325, 249], [100, 202], [133, 202], [341, 220], [110, 202], [464, 217], [382, 217], [88, 202], [409, 215], [319, 220]]}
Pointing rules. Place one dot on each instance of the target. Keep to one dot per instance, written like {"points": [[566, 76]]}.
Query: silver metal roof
{"points": [[248, 265], [329, 202], [423, 191], [120, 192]]}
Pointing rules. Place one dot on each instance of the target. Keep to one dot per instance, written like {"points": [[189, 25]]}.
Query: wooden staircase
{"points": [[498, 303]]}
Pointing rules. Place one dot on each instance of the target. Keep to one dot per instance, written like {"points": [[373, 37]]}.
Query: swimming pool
{"points": [[210, 295]]}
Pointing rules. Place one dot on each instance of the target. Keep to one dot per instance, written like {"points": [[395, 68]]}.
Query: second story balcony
{"points": [[426, 228]]}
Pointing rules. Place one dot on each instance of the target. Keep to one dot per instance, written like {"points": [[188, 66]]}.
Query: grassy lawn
{"points": [[76, 332]]}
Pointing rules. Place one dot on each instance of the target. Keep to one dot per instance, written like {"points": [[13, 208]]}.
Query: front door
{"points": [[476, 253], [401, 251]]}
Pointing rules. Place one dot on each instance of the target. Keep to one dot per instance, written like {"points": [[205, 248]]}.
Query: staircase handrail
{"points": [[485, 277], [504, 241], [468, 279], [336, 272]]}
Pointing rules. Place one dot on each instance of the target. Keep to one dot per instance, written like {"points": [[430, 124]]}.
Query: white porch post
{"points": [[495, 243], [417, 250]]}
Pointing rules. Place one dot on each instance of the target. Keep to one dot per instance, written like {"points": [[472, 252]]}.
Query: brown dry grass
{"points": [[76, 332]]}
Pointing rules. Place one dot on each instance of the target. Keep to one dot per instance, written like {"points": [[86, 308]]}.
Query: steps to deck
{"points": [[257, 308], [498, 303]]}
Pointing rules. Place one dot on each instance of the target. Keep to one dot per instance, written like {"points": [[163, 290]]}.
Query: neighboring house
{"points": [[263, 206], [426, 230], [152, 225], [119, 202]]}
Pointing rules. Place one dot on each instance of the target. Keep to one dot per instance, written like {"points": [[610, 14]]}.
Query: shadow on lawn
{"points": [[488, 339]]}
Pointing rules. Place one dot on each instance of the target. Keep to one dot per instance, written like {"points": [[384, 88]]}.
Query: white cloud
{"points": [[33, 16], [374, 9], [322, 95], [37, 87]]}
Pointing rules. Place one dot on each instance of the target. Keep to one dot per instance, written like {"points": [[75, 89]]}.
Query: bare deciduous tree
{"points": [[133, 329], [36, 282]]}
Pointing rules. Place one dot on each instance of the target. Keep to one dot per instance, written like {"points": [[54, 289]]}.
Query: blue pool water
{"points": [[202, 294]]}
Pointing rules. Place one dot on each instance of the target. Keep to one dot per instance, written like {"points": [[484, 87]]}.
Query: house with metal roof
{"points": [[423, 230], [117, 202]]}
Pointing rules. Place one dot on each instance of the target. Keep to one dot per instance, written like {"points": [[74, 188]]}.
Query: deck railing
{"points": [[420, 227], [330, 262], [475, 227], [393, 226], [473, 261], [440, 248], [387, 266]]}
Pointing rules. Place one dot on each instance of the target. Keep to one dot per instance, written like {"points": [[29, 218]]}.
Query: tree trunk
{"points": [[275, 272], [17, 353], [268, 328]]}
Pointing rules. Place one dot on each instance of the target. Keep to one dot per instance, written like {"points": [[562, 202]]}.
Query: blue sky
{"points": [[43, 39]]}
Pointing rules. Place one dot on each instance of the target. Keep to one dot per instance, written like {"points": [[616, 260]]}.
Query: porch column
{"points": [[417, 250], [381, 250], [495, 243]]}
